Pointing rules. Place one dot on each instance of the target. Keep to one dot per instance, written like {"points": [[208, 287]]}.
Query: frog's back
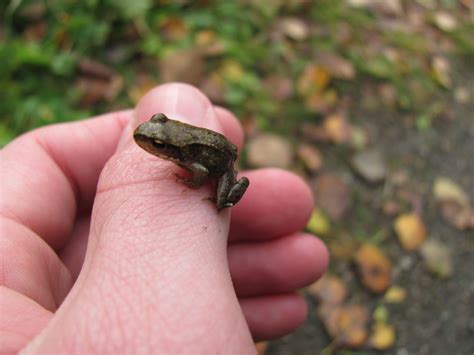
{"points": [[187, 135]]}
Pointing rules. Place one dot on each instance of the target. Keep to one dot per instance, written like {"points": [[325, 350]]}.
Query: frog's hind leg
{"points": [[199, 172]]}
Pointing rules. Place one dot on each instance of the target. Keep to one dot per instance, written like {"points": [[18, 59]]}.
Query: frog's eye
{"points": [[159, 117], [158, 144]]}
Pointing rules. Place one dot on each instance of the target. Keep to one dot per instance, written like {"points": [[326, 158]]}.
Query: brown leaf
{"points": [[329, 289], [174, 28], [332, 195], [95, 90], [337, 66], [310, 156], [184, 65], [460, 217], [91, 67], [347, 325], [374, 268], [411, 231], [315, 133], [261, 347], [280, 88], [214, 87], [269, 150]]}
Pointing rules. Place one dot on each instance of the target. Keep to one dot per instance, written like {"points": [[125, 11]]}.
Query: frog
{"points": [[205, 154]]}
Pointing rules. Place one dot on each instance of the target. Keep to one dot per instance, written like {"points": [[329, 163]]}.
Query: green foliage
{"points": [[43, 42]]}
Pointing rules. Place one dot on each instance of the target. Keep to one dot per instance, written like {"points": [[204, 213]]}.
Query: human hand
{"points": [[163, 272]]}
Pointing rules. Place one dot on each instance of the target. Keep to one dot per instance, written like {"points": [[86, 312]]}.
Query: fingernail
{"points": [[178, 101]]}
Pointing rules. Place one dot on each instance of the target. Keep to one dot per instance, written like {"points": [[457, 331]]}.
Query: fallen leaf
{"points": [[391, 208], [314, 78], [279, 87], [359, 138], [374, 268], [347, 325], [214, 87], [342, 246], [261, 347], [395, 294], [329, 289], [94, 90], [174, 28], [337, 128], [382, 337], [380, 314], [445, 21], [441, 71], [185, 65], [458, 216], [370, 165], [318, 223], [462, 95], [445, 189], [310, 156], [269, 150], [337, 66], [437, 258], [315, 132], [94, 68], [294, 28], [332, 195], [411, 231]]}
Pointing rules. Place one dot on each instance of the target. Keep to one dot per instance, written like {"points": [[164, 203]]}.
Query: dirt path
{"points": [[438, 315]]}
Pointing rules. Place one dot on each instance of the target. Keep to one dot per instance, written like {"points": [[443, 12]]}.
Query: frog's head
{"points": [[153, 137]]}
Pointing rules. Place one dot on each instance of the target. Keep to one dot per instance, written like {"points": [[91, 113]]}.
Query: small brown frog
{"points": [[204, 153]]}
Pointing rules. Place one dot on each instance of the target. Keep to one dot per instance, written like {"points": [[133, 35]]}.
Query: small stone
{"points": [[269, 150], [370, 165]]}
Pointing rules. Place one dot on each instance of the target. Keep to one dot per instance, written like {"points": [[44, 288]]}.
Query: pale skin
{"points": [[162, 272]]}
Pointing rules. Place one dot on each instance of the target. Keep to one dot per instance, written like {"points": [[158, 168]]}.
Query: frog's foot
{"points": [[230, 191]]}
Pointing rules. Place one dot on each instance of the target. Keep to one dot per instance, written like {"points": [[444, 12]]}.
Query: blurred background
{"points": [[371, 101]]}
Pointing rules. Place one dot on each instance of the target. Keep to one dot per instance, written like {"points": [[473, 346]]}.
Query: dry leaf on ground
{"points": [[269, 150], [183, 65], [310, 156], [411, 231], [375, 269], [382, 337], [329, 289], [395, 294], [318, 223], [337, 128], [437, 258], [332, 195], [347, 325]]}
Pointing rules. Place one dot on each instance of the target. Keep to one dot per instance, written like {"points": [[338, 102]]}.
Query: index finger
{"points": [[50, 174]]}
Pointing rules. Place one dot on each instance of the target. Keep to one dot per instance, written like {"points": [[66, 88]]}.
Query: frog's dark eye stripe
{"points": [[158, 144]]}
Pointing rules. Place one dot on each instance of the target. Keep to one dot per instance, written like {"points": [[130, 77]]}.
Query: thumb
{"points": [[155, 278]]}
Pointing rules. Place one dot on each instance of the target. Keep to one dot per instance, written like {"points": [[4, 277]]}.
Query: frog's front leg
{"points": [[229, 190], [199, 175]]}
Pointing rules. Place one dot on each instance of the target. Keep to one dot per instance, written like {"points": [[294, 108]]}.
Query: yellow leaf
{"points": [[318, 223], [383, 336], [410, 230]]}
